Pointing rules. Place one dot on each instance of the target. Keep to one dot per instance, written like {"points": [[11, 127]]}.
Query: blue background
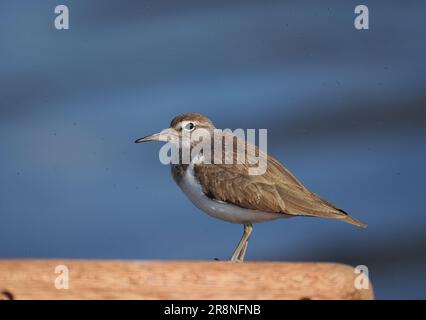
{"points": [[345, 111]]}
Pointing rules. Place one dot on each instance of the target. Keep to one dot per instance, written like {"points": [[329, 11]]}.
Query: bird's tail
{"points": [[344, 216], [347, 218]]}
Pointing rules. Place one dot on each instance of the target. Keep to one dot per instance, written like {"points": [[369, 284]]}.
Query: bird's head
{"points": [[184, 128]]}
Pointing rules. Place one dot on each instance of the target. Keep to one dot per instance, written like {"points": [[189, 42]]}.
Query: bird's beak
{"points": [[165, 135], [153, 137]]}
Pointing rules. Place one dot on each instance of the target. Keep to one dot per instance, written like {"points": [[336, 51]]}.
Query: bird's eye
{"points": [[189, 126]]}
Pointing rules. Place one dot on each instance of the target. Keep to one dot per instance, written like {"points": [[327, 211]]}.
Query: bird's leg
{"points": [[243, 252], [244, 249], [242, 245]]}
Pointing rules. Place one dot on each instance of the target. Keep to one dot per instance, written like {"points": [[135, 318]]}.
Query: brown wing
{"points": [[277, 190], [221, 182]]}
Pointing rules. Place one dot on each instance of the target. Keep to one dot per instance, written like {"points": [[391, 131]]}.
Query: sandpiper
{"points": [[228, 192]]}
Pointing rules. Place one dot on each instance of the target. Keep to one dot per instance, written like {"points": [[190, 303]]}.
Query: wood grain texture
{"points": [[99, 279]]}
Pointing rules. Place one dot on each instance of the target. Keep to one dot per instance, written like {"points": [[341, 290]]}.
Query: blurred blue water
{"points": [[345, 111]]}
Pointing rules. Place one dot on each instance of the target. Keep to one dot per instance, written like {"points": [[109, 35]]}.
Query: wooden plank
{"points": [[99, 279]]}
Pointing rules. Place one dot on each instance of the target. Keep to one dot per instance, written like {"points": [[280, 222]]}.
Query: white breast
{"points": [[219, 209]]}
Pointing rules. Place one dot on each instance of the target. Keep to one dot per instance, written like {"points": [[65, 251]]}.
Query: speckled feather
{"points": [[275, 191]]}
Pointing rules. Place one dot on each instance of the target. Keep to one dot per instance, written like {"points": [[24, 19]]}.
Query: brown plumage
{"points": [[275, 191], [229, 192]]}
